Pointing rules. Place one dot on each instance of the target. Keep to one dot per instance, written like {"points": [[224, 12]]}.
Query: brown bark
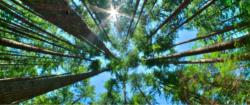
{"points": [[28, 78], [32, 25], [106, 100], [178, 9], [100, 22], [136, 6], [190, 18], [77, 100], [61, 14], [212, 60], [239, 25], [230, 44], [27, 47], [23, 55], [15, 92], [124, 91], [144, 3], [144, 95]]}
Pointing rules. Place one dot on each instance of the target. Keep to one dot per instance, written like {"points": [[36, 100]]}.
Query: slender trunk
{"points": [[25, 8], [78, 98], [124, 91], [27, 47], [97, 17], [24, 55], [106, 99], [15, 92], [68, 20], [136, 6], [32, 25], [11, 59], [239, 25], [144, 95], [212, 60], [202, 9], [230, 44], [28, 78], [177, 10], [17, 64], [144, 3]]}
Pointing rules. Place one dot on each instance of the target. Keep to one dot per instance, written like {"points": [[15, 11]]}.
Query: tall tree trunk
{"points": [[144, 3], [124, 91], [67, 19], [230, 44], [106, 99], [144, 95], [11, 59], [32, 25], [27, 47], [232, 27], [28, 78], [202, 9], [177, 10], [136, 6], [24, 55], [15, 92], [77, 100], [212, 60], [100, 22]]}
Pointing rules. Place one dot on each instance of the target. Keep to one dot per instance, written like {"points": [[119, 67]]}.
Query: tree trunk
{"points": [[67, 19], [212, 60], [27, 47], [136, 6], [177, 10], [144, 3], [230, 44], [106, 100], [11, 59], [77, 100], [32, 25], [202, 9], [124, 91], [24, 55], [232, 27], [144, 95], [100, 23], [15, 92], [28, 78]]}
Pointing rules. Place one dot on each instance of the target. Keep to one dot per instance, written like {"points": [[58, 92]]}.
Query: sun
{"points": [[113, 12]]}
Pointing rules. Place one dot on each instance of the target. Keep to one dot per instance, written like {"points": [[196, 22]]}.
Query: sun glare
{"points": [[113, 12]]}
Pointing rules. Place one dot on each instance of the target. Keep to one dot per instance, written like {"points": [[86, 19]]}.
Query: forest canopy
{"points": [[50, 50]]}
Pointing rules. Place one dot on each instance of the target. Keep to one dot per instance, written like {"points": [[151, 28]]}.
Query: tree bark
{"points": [[15, 92], [32, 25], [144, 3], [67, 19], [124, 91], [230, 44], [136, 6], [23, 55], [232, 27], [77, 100], [178, 9], [144, 95], [212, 60], [27, 47], [106, 100], [202, 9], [28, 78]]}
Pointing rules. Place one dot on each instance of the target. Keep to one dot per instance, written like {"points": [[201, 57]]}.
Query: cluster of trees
{"points": [[81, 39]]}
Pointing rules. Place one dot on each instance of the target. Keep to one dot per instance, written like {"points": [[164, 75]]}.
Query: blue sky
{"points": [[99, 81]]}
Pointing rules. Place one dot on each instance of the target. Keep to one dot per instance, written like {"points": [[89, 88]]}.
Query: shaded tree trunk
{"points": [[136, 6], [106, 100], [77, 100], [27, 47], [28, 78], [24, 55], [144, 3], [144, 95], [212, 60], [232, 27], [124, 91], [230, 44], [15, 92], [67, 19], [184, 4]]}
